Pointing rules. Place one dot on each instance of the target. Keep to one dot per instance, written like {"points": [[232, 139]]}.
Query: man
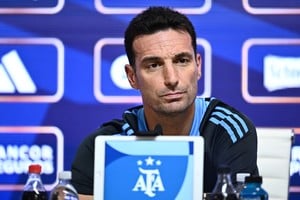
{"points": [[165, 67]]}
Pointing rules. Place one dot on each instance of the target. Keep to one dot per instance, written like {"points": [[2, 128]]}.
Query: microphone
{"points": [[158, 129], [156, 132]]}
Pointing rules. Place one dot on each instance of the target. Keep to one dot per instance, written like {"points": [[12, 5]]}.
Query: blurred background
{"points": [[62, 75]]}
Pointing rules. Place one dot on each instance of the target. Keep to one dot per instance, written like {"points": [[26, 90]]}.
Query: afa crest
{"points": [[149, 180]]}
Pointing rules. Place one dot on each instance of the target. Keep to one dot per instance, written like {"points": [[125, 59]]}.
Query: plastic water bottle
{"points": [[64, 190], [224, 189], [240, 181], [34, 188], [253, 189]]}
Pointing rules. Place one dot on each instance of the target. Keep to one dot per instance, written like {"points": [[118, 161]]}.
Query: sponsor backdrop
{"points": [[61, 73]]}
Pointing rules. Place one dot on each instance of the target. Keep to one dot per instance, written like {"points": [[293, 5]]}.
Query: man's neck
{"points": [[179, 124]]}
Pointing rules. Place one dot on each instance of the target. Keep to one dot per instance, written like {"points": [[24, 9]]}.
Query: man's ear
{"points": [[130, 73], [199, 65]]}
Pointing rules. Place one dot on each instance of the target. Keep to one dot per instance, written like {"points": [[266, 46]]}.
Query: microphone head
{"points": [[156, 132], [158, 129]]}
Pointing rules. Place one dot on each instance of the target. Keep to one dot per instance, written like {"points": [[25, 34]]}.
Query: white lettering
{"points": [[295, 153], [140, 184], [15, 159], [23, 152], [149, 181], [295, 161], [47, 152], [12, 152], [281, 72], [20, 167], [158, 185], [34, 152], [2, 152]]}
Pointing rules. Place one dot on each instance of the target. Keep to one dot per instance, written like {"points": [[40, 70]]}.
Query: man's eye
{"points": [[183, 61], [153, 65]]}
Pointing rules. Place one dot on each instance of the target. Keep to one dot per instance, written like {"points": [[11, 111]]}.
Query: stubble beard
{"points": [[173, 108]]}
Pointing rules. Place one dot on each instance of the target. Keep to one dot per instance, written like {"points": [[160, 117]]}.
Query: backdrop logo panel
{"points": [[31, 6], [268, 7], [135, 6], [110, 81], [21, 146], [271, 70], [31, 70]]}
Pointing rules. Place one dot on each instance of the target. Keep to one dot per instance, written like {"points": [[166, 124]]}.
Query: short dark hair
{"points": [[155, 19]]}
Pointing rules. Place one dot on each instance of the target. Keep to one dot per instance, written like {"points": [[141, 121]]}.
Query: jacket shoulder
{"points": [[221, 117]]}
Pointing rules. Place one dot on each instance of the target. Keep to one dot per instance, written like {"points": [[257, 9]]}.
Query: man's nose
{"points": [[170, 75]]}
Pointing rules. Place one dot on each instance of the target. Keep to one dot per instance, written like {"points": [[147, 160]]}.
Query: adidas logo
{"points": [[13, 75]]}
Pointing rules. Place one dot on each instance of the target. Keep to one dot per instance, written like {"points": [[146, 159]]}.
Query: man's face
{"points": [[167, 71]]}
